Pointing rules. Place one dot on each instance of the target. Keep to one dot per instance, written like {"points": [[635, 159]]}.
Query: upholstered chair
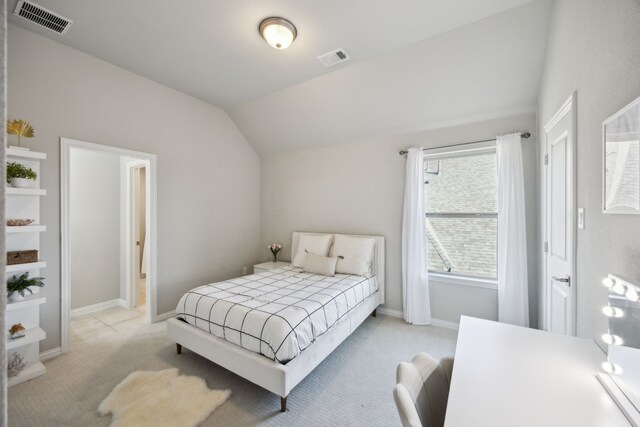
{"points": [[422, 390]]}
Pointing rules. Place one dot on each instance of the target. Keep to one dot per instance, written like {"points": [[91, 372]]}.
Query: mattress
{"points": [[276, 313]]}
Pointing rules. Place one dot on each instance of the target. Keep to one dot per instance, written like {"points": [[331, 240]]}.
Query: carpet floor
{"points": [[352, 387]]}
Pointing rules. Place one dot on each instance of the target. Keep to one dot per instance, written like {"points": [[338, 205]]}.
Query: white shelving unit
{"points": [[26, 267], [33, 228], [31, 335], [24, 203], [26, 192], [25, 154]]}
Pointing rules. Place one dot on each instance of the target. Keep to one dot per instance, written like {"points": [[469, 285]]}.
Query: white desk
{"points": [[505, 375]]}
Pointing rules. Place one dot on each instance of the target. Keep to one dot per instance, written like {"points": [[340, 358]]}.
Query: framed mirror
{"points": [[621, 161], [621, 376]]}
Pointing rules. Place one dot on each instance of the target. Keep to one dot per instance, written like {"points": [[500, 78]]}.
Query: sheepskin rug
{"points": [[161, 398]]}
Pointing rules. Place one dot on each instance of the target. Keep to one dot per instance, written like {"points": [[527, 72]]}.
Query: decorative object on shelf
{"points": [[22, 257], [17, 331], [18, 222], [16, 364], [21, 128], [20, 176], [275, 248], [18, 285]]}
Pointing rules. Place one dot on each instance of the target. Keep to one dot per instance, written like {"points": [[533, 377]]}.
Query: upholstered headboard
{"points": [[377, 266]]}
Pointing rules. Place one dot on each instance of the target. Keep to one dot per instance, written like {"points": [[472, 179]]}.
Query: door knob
{"points": [[565, 279]]}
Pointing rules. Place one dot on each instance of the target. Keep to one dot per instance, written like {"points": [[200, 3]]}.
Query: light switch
{"points": [[581, 218]]}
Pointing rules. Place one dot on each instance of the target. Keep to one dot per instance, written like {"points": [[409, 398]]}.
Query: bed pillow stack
{"points": [[317, 244], [354, 254]]}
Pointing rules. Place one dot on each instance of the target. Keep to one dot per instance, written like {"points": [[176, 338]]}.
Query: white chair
{"points": [[422, 390]]}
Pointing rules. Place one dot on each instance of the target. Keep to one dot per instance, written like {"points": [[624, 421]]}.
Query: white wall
{"points": [[594, 49], [94, 219], [358, 188], [208, 175]]}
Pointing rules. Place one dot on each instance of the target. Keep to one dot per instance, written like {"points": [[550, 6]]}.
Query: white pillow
{"points": [[320, 264], [354, 254], [317, 244]]}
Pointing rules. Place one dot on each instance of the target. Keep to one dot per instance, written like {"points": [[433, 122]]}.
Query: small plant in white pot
{"points": [[18, 286], [20, 176]]}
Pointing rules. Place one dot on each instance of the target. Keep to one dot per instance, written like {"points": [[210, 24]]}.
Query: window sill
{"points": [[464, 281]]}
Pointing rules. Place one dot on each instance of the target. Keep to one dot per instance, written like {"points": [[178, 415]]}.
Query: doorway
{"points": [[108, 233], [137, 173], [559, 221]]}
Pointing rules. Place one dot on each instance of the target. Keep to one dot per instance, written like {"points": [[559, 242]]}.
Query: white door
{"points": [[559, 215], [135, 234], [135, 210]]}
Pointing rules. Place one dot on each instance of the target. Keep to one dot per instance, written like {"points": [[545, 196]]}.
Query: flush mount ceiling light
{"points": [[278, 32]]}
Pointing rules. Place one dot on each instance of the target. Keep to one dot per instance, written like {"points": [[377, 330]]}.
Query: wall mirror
{"points": [[621, 153], [621, 376]]}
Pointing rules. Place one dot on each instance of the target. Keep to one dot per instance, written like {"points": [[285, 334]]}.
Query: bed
{"points": [[305, 316]]}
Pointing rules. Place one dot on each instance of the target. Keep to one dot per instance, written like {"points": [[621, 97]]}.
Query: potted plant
{"points": [[275, 248], [18, 285], [20, 176]]}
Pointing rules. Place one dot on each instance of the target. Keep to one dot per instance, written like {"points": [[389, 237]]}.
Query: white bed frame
{"points": [[273, 376]]}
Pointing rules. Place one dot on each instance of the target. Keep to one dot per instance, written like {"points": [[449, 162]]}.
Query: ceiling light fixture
{"points": [[278, 32]]}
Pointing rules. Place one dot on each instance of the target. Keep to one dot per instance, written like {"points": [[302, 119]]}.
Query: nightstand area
{"points": [[266, 266]]}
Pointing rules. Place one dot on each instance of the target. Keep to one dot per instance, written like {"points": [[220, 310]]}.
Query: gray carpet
{"points": [[352, 387]]}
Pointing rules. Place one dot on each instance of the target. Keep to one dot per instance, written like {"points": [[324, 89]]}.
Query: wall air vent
{"points": [[330, 59], [42, 17]]}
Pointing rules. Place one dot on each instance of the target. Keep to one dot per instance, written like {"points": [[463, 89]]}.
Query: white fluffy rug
{"points": [[161, 398]]}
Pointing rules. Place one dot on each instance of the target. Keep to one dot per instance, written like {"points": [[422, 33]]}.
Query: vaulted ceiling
{"points": [[415, 63]]}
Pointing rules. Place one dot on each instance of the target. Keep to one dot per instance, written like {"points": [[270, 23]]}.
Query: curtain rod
{"points": [[524, 135]]}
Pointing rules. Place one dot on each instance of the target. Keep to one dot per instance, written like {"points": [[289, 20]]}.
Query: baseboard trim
{"points": [[391, 313], [445, 324], [118, 302], [165, 316], [434, 322], [50, 354]]}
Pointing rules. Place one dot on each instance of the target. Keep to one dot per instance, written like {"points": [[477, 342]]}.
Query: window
{"points": [[462, 213]]}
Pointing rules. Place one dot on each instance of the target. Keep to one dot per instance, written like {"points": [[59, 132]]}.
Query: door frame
{"points": [[568, 109], [66, 144], [131, 210]]}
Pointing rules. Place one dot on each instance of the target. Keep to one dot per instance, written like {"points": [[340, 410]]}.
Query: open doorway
{"points": [[108, 239], [137, 172]]}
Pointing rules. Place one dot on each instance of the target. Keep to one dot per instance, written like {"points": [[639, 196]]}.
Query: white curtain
{"points": [[513, 293], [415, 282]]}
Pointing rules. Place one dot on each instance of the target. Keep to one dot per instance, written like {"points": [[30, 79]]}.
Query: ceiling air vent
{"points": [[42, 17], [332, 58]]}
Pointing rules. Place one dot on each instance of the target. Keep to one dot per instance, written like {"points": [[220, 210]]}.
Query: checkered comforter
{"points": [[277, 313]]}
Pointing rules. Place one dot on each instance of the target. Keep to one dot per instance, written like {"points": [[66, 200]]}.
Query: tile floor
{"points": [[103, 324]]}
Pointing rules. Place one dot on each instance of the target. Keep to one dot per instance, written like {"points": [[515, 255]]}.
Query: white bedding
{"points": [[277, 313]]}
